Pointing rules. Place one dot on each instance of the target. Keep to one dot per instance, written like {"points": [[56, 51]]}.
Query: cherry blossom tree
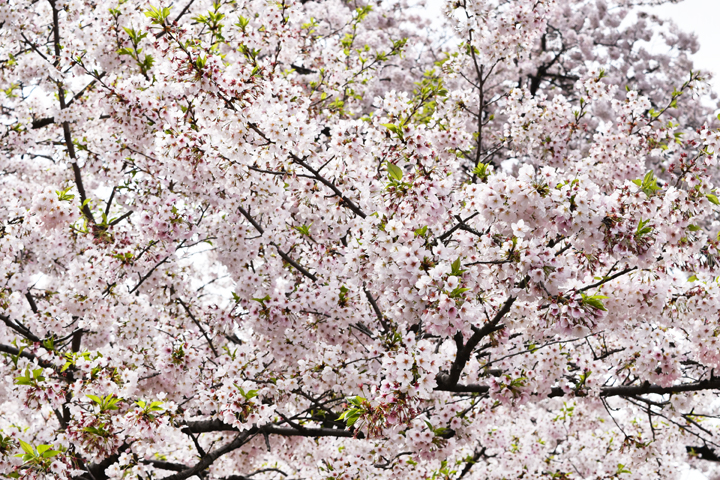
{"points": [[336, 240]]}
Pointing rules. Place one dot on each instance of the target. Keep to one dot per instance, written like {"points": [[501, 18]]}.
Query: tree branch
{"points": [[215, 425], [208, 459], [65, 125], [147, 275], [450, 380], [30, 356], [607, 279], [703, 453], [377, 311], [282, 254], [202, 330], [19, 328], [330, 185], [611, 391]]}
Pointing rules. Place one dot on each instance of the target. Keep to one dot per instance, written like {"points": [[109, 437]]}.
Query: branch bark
{"points": [[282, 254], [448, 381], [351, 205], [30, 356], [610, 391]]}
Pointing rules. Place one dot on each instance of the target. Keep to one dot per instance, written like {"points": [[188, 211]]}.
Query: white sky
{"points": [[699, 16], [703, 18]]}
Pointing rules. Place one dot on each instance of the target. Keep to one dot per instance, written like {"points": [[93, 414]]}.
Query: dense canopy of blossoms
{"points": [[334, 240]]}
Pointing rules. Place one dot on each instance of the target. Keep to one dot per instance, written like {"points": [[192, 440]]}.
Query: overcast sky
{"points": [[703, 18]]}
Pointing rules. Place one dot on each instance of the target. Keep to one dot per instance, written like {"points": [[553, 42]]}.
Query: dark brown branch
{"points": [[147, 275], [19, 328], [208, 459], [282, 254], [292, 262], [25, 354], [330, 185], [469, 464], [97, 470], [202, 330], [120, 218], [302, 70], [449, 380], [612, 391], [182, 12], [487, 262], [78, 175], [704, 453], [65, 125], [109, 202], [377, 311], [33, 46], [244, 437], [42, 122], [207, 426], [77, 340], [607, 279], [257, 472], [31, 301], [85, 89], [628, 391], [457, 226], [173, 467]]}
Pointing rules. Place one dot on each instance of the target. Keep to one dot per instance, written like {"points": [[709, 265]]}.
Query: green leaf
{"points": [[456, 267], [358, 401], [713, 199], [303, 229], [352, 419], [99, 431], [594, 301], [457, 292], [648, 184], [392, 127], [262, 300], [694, 278], [242, 23], [50, 453], [157, 15], [694, 228], [643, 229], [394, 172], [27, 448], [63, 195], [622, 469], [481, 171]]}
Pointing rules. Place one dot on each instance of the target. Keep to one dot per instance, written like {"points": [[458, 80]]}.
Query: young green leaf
{"points": [[394, 172], [594, 301]]}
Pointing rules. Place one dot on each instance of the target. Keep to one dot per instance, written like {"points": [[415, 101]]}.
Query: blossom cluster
{"points": [[310, 239]]}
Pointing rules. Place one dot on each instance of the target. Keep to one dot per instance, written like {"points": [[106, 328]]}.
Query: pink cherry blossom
{"points": [[341, 240]]}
